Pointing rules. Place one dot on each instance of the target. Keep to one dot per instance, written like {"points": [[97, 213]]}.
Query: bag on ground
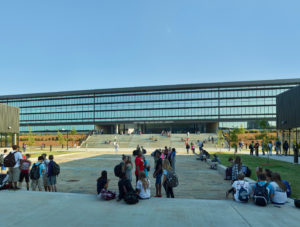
{"points": [[261, 195], [35, 172], [55, 169], [172, 179], [131, 198], [246, 171], [9, 160]]}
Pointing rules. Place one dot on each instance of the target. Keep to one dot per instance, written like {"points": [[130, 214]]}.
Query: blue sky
{"points": [[62, 45]]}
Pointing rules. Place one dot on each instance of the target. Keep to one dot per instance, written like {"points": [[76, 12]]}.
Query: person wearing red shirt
{"points": [[25, 166], [139, 164]]}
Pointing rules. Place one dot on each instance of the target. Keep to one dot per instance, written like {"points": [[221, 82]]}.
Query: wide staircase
{"points": [[145, 140]]}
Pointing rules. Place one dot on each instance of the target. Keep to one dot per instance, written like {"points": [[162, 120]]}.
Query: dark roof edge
{"points": [[160, 88]]}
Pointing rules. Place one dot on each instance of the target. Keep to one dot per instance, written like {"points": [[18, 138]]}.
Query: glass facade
{"points": [[229, 106]]}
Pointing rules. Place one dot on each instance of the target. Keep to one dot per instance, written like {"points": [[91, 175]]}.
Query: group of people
{"points": [[254, 147], [164, 174], [42, 173], [268, 188]]}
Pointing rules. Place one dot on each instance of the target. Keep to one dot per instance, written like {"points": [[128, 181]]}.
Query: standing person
{"points": [[24, 147], [146, 166], [256, 146], [278, 147], [262, 147], [236, 168], [285, 147], [173, 158], [25, 166], [45, 175], [116, 147], [166, 169], [36, 174], [158, 173], [52, 174], [124, 186], [128, 168], [193, 148], [139, 164], [143, 186], [14, 172], [270, 146], [251, 147], [187, 147]]}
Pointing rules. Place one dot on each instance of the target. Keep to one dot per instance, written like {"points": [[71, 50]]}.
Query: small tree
{"points": [[72, 134], [221, 139], [242, 130], [61, 139], [31, 139], [234, 139]]}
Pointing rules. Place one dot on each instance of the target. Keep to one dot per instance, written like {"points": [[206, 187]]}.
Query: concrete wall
{"points": [[9, 117]]}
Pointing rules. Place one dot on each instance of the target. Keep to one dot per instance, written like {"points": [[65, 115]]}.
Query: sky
{"points": [[62, 45]]}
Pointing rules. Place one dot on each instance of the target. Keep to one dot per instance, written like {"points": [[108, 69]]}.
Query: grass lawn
{"points": [[287, 171]]}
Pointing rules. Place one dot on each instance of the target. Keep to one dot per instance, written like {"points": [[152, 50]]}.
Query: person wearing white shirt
{"points": [[14, 172], [143, 186], [238, 184]]}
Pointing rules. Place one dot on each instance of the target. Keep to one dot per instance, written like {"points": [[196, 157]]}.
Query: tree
{"points": [[242, 130], [234, 139], [31, 139], [73, 133], [61, 139], [221, 139]]}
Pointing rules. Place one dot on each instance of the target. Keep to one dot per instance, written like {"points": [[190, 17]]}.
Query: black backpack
{"points": [[55, 169], [261, 195], [9, 160], [118, 170], [246, 171], [35, 172], [243, 194], [228, 173]]}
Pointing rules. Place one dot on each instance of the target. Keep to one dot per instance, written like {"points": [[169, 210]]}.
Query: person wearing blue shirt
{"points": [[262, 180], [38, 182]]}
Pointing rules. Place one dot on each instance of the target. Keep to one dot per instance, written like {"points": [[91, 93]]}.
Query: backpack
{"points": [[246, 171], [261, 195], [9, 160], [35, 172], [55, 169], [130, 197], [118, 170], [243, 194], [172, 179], [228, 173]]}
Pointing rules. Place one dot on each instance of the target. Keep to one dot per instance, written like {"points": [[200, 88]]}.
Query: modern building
{"points": [[288, 115], [9, 125], [179, 108]]}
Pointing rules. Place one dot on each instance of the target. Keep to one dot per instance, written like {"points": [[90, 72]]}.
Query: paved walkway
{"points": [[67, 209]]}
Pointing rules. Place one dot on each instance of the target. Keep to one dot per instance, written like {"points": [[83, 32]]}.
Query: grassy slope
{"points": [[287, 171]]}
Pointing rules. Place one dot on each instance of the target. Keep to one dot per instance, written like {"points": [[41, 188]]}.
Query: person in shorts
{"points": [[25, 166], [38, 182], [158, 174], [14, 172], [45, 176], [50, 176]]}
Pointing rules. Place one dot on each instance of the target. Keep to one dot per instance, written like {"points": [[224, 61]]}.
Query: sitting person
{"points": [[124, 185], [214, 162], [102, 185], [268, 174], [236, 187], [143, 186], [280, 195], [258, 170], [259, 188]]}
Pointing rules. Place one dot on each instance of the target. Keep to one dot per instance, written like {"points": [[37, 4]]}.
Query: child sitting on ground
{"points": [[143, 186], [102, 185], [214, 162]]}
